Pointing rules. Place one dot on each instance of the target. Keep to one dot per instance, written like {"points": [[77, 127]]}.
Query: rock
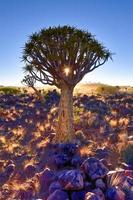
{"points": [[107, 164], [46, 178], [130, 181], [5, 191], [65, 154], [116, 178], [24, 194], [114, 193], [113, 138], [30, 170], [88, 186], [51, 137], [130, 138], [102, 153], [9, 162], [127, 167], [58, 195], [80, 138], [9, 170], [99, 193], [78, 195], [71, 180], [129, 173], [68, 148], [60, 160], [100, 184], [94, 168], [76, 161], [91, 196], [128, 188], [54, 186]]}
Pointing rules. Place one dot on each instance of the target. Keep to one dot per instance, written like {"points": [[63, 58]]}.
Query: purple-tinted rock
{"points": [[71, 180], [99, 193], [130, 181], [128, 188], [54, 186], [58, 195], [76, 161], [102, 153], [78, 195], [30, 171], [113, 138], [46, 178], [60, 160], [94, 168], [88, 186], [91, 196], [114, 193], [127, 167], [100, 184], [68, 148], [10, 169]]}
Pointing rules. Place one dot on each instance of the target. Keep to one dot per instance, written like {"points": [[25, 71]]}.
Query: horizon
{"points": [[110, 23], [78, 85]]}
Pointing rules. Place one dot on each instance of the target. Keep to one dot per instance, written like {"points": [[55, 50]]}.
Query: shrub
{"points": [[107, 89], [9, 90], [127, 154], [130, 90]]}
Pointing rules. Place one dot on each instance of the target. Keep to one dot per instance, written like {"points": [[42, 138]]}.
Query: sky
{"points": [[110, 21]]}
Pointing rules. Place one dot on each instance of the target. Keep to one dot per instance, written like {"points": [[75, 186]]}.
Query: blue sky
{"points": [[111, 22]]}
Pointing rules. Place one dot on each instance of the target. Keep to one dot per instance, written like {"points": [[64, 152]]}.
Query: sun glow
{"points": [[66, 71]]}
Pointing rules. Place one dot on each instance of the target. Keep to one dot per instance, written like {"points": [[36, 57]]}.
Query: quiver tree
{"points": [[61, 56], [30, 81]]}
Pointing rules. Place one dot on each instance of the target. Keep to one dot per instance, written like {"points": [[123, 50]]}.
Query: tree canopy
{"points": [[63, 55]]}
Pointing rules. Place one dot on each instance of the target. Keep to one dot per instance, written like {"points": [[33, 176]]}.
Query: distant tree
{"points": [[61, 56], [30, 81]]}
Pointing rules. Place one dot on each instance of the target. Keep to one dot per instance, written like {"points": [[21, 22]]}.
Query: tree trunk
{"points": [[65, 129]]}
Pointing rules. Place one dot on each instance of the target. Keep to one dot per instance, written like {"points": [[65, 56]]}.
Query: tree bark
{"points": [[65, 129]]}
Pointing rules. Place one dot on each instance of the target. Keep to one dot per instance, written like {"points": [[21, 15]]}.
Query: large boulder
{"points": [[58, 195], [94, 168], [71, 180]]}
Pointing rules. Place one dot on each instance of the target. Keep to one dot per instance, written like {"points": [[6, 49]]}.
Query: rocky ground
{"points": [[95, 167]]}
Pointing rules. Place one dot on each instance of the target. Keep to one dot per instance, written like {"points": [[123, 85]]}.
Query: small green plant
{"points": [[77, 114], [127, 154]]}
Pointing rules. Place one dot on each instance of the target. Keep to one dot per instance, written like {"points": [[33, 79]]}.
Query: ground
{"points": [[103, 128]]}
